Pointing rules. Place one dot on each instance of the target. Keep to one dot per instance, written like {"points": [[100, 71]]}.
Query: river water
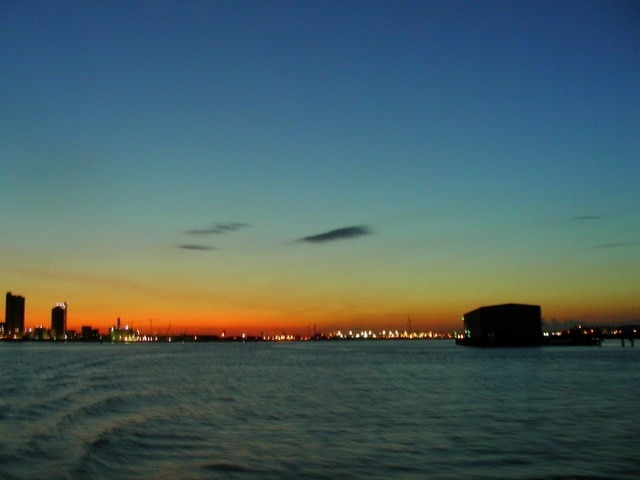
{"points": [[343, 409]]}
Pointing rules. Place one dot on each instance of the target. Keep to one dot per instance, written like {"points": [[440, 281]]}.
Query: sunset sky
{"points": [[267, 166]]}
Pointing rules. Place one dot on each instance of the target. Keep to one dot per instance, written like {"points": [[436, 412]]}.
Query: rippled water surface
{"points": [[318, 410]]}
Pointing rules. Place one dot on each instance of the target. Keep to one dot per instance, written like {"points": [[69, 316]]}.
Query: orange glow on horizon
{"points": [[237, 323]]}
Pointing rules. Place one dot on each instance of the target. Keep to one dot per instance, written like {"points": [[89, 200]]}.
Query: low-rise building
{"points": [[510, 324]]}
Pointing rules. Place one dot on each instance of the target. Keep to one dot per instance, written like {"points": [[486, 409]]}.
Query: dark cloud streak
{"points": [[345, 233], [218, 228], [202, 248]]}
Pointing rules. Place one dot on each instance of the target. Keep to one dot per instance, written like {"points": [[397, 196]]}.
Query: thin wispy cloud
{"points": [[584, 218], [202, 248], [345, 233], [218, 228], [613, 245]]}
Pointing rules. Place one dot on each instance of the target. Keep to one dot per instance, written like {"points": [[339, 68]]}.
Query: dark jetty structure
{"points": [[507, 325]]}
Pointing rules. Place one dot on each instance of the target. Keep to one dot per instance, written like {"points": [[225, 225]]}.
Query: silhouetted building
{"points": [[59, 321], [510, 324], [89, 334], [39, 333], [14, 314]]}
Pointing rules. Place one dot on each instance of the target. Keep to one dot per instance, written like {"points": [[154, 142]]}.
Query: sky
{"points": [[271, 166]]}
